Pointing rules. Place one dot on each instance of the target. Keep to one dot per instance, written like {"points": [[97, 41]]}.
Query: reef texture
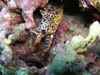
{"points": [[38, 38]]}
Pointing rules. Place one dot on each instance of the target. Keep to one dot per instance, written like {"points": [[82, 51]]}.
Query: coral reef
{"points": [[28, 27]]}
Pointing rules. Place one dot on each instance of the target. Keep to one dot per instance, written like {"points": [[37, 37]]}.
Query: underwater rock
{"points": [[78, 44], [11, 18], [12, 4], [60, 47], [35, 71], [62, 28], [92, 68], [18, 33], [6, 54], [28, 7], [90, 56]]}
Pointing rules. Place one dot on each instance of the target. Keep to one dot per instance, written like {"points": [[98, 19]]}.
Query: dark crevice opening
{"points": [[18, 42], [33, 62]]}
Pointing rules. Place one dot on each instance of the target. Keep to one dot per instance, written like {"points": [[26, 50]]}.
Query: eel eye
{"points": [[43, 32]]}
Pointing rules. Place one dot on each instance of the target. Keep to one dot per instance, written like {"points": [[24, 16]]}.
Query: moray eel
{"points": [[51, 18]]}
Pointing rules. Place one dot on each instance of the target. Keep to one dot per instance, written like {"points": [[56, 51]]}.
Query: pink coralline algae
{"points": [[63, 27], [11, 18], [28, 7]]}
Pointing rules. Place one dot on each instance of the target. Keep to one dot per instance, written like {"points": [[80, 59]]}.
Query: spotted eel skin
{"points": [[51, 17]]}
